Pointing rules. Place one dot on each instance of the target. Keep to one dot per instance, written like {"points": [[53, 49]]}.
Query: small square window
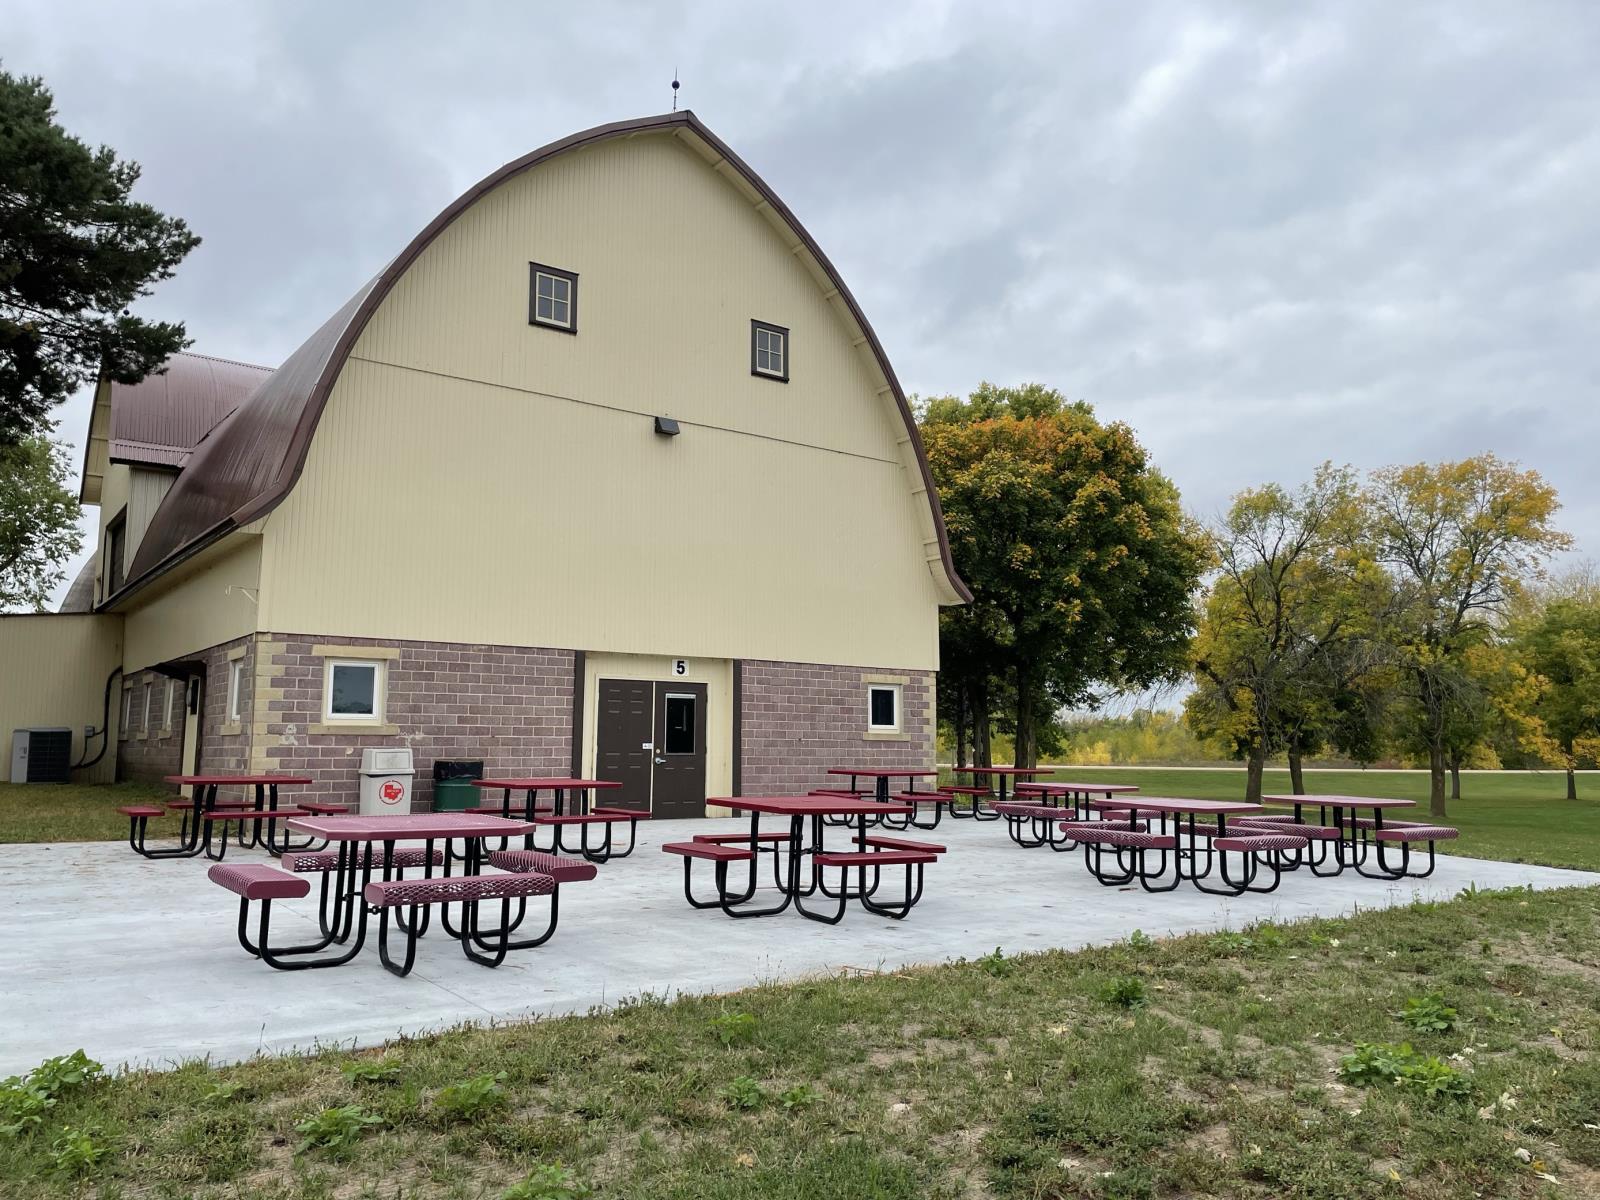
{"points": [[354, 691], [883, 708], [769, 351], [553, 298], [235, 689]]}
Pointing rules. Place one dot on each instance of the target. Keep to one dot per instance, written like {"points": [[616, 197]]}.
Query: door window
{"points": [[680, 724]]}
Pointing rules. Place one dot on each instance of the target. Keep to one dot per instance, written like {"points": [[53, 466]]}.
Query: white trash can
{"points": [[386, 777]]}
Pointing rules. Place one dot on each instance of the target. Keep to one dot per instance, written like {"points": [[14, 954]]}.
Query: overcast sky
{"points": [[1264, 234]]}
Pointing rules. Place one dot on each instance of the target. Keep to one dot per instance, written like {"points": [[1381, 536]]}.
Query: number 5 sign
{"points": [[680, 666]]}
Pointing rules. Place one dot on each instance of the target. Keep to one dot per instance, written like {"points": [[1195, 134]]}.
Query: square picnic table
{"points": [[801, 810], [1000, 775], [881, 778], [344, 915], [581, 811], [194, 837]]}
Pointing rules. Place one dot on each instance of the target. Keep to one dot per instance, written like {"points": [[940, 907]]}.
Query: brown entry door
{"points": [[680, 758], [624, 747]]}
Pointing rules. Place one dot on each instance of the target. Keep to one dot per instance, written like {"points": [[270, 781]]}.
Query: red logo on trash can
{"points": [[392, 791]]}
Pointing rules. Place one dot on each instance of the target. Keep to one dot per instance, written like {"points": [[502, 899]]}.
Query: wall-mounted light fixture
{"points": [[666, 427]]}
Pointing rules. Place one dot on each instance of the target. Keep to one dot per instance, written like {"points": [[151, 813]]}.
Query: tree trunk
{"points": [[1297, 778], [1252, 785], [1436, 807], [961, 727], [1572, 784], [981, 754], [1455, 778], [1026, 751]]}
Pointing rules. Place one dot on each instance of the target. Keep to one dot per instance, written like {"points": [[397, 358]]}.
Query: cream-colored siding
{"points": [[53, 672], [207, 601], [716, 674], [477, 479], [114, 494], [145, 490]]}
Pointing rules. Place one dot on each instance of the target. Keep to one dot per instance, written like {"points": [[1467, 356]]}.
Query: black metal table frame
{"points": [[790, 883], [343, 911], [195, 832]]}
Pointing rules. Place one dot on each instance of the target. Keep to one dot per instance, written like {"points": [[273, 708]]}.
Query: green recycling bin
{"points": [[452, 784]]}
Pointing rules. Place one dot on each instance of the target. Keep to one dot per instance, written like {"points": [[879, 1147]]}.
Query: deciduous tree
{"points": [[1461, 540], [1291, 594], [1076, 548], [38, 522], [1560, 649]]}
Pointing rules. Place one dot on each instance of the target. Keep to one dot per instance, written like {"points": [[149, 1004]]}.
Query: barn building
{"points": [[605, 474]]}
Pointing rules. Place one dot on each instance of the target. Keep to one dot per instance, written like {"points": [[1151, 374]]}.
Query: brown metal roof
{"points": [[159, 420], [245, 468]]}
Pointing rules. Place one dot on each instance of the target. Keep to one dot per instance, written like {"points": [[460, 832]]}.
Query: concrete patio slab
{"points": [[137, 962]]}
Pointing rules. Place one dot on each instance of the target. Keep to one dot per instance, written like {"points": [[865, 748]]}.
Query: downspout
{"points": [[105, 727]]}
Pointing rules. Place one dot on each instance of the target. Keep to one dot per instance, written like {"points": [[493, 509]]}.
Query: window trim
{"points": [[897, 691], [114, 567], [788, 347], [144, 723], [534, 271], [123, 730], [166, 711], [236, 690], [380, 676]]}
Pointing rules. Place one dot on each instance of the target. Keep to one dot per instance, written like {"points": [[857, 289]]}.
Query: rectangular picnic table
{"points": [[343, 912], [1078, 793], [801, 810], [1163, 807], [1347, 847]]}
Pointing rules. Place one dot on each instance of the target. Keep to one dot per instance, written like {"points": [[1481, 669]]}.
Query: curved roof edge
{"points": [[249, 462]]}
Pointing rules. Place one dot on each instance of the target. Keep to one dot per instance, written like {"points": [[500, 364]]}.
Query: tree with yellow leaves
{"points": [[1461, 540]]}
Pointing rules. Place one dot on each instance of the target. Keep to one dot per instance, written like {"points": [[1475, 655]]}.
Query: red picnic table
{"points": [[881, 777], [366, 844], [559, 816], [1349, 847], [1259, 847], [558, 786], [1001, 775], [869, 853], [202, 810]]}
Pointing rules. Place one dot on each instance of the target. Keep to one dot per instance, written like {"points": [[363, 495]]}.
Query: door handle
{"points": [[659, 760]]}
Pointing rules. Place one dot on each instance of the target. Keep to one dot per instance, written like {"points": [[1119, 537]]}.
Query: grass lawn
{"points": [[71, 812], [1509, 816], [1198, 1067]]}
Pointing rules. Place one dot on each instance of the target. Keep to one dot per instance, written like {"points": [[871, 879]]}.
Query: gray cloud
{"points": [[1264, 235]]}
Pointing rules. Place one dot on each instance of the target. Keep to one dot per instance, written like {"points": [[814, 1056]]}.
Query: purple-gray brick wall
{"points": [[799, 719]]}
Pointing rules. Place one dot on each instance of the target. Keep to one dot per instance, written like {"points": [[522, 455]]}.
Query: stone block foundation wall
{"points": [[799, 719], [510, 706], [150, 751]]}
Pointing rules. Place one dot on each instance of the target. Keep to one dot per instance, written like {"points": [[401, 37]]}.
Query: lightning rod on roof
{"points": [[675, 86]]}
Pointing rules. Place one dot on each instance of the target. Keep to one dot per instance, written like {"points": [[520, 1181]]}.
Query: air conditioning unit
{"points": [[41, 756]]}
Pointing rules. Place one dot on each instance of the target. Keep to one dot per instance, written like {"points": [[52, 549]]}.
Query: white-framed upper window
{"points": [[235, 689], [553, 298], [127, 713], [883, 707], [769, 351], [353, 691]]}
